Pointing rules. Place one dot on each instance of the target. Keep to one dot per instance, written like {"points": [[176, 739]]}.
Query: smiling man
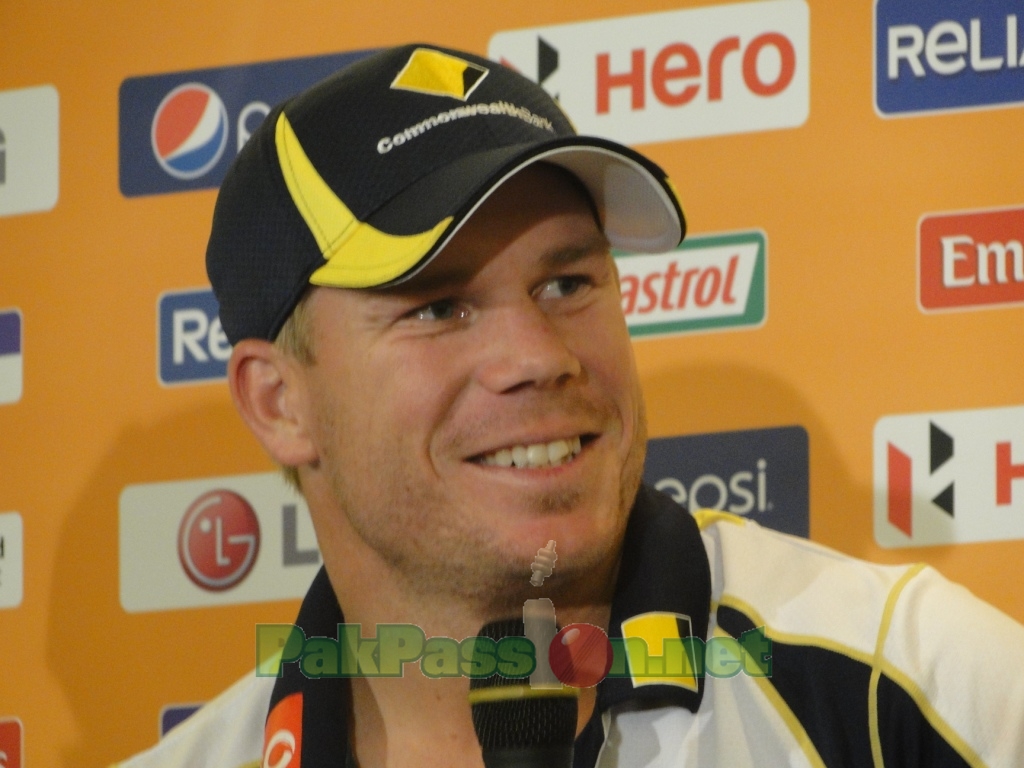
{"points": [[413, 262]]}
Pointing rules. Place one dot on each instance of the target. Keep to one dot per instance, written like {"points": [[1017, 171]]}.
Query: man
{"points": [[412, 261]]}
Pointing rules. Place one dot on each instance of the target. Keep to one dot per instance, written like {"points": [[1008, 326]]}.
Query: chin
{"points": [[579, 536]]}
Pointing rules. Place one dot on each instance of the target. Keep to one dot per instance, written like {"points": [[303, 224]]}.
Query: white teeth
{"points": [[535, 455], [519, 456], [557, 451]]}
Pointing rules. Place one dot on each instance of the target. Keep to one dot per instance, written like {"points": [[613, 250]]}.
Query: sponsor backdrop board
{"points": [[834, 352]]}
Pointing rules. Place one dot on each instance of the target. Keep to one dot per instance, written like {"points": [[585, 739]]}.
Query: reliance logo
{"points": [[952, 477], [971, 259], [675, 75], [192, 346], [940, 55]]}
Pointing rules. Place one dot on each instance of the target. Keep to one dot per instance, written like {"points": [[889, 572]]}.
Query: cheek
{"points": [[610, 360], [405, 397]]}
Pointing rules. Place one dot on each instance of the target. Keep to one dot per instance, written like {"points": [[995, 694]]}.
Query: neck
{"points": [[416, 720]]}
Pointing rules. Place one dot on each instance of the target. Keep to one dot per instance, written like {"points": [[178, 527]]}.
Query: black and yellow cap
{"points": [[359, 181]]}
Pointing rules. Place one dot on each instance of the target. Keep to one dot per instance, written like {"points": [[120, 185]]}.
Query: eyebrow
{"points": [[597, 244]]}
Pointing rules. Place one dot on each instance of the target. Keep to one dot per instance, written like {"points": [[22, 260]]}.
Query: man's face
{"points": [[510, 348]]}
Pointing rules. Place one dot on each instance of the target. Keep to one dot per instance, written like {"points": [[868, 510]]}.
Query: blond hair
{"points": [[295, 339]]}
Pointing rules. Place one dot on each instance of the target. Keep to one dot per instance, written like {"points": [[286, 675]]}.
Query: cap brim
{"points": [[635, 200]]}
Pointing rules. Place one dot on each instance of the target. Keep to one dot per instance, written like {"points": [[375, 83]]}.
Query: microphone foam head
{"points": [[509, 715]]}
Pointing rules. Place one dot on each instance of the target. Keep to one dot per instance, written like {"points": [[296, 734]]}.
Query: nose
{"points": [[526, 348]]}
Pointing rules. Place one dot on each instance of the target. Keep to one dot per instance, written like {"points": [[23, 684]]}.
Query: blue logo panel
{"points": [[175, 714], [10, 332], [936, 55], [11, 373], [763, 474], [193, 346], [171, 127]]}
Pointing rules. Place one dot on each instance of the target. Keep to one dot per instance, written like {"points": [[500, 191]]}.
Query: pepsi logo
{"points": [[218, 540], [190, 131]]}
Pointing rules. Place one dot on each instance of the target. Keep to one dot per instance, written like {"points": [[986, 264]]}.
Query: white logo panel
{"points": [[29, 158], [12, 560], [254, 543], [723, 69], [951, 477]]}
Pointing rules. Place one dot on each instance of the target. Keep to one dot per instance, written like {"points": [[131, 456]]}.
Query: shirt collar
{"points": [[664, 570]]}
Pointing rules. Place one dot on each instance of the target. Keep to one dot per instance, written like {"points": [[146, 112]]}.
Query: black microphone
{"points": [[519, 726]]}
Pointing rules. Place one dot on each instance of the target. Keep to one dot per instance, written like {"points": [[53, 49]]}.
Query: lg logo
{"points": [[214, 541], [218, 540]]}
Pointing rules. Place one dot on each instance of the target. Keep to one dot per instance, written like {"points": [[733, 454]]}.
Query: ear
{"points": [[268, 389]]}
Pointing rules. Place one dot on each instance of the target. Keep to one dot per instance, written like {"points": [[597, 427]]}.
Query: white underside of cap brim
{"points": [[636, 210]]}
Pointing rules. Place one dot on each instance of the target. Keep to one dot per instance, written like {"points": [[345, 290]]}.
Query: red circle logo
{"points": [[218, 540], [580, 655]]}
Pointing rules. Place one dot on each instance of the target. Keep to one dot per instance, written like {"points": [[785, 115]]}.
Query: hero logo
{"points": [[758, 473], [218, 540], [949, 477], [709, 282], [679, 74], [938, 55], [190, 131], [192, 344], [971, 259]]}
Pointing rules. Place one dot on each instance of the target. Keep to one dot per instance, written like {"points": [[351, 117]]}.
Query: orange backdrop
{"points": [[844, 342]]}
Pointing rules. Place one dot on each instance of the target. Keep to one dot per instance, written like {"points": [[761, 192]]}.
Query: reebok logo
{"points": [[971, 259], [950, 477]]}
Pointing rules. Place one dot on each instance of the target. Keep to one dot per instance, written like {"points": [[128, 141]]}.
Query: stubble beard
{"points": [[458, 558]]}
